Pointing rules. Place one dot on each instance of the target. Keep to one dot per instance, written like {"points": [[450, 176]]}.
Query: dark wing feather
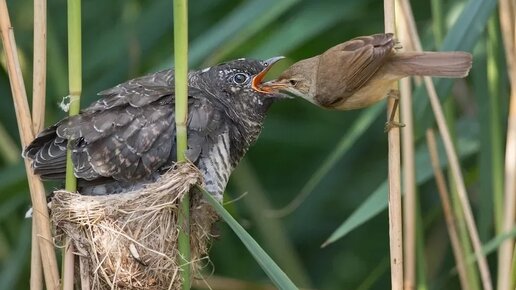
{"points": [[127, 135], [136, 92], [138, 148], [354, 62]]}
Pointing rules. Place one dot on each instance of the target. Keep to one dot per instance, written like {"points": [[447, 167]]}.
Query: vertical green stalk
{"points": [[495, 126], [513, 280], [181, 113], [422, 283], [438, 21], [75, 89], [74, 76]]}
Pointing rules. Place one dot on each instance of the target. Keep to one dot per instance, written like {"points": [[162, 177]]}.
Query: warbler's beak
{"points": [[275, 86], [256, 82], [282, 88]]}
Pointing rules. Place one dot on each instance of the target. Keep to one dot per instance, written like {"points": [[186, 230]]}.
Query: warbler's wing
{"points": [[347, 67]]}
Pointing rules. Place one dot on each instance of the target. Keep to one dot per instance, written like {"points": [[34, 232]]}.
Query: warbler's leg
{"points": [[394, 94]]}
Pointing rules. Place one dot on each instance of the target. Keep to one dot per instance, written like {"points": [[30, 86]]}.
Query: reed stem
{"points": [[38, 118], [25, 126], [505, 254], [395, 205], [75, 90], [181, 114]]}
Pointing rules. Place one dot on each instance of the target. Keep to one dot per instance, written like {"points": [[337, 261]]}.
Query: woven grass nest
{"points": [[129, 241]]}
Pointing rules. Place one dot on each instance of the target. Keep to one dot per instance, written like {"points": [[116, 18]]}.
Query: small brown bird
{"points": [[360, 72]]}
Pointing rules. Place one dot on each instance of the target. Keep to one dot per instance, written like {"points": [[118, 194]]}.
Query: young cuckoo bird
{"points": [[127, 138]]}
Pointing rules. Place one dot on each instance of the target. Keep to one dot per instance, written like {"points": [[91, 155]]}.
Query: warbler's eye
{"points": [[293, 82], [240, 78]]}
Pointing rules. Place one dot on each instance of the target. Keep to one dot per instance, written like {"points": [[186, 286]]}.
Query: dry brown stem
{"points": [[38, 118], [409, 169], [395, 212], [451, 155], [505, 254], [451, 225], [40, 212]]}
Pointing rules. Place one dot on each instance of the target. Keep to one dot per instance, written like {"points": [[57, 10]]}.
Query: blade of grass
{"points": [[75, 90], [277, 276], [493, 244], [377, 201], [438, 20], [242, 18], [181, 113], [23, 118], [245, 33], [374, 275], [321, 16], [495, 126], [463, 35], [271, 229], [490, 169], [356, 130]]}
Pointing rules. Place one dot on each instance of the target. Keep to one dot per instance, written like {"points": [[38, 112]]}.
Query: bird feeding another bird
{"points": [[360, 72]]}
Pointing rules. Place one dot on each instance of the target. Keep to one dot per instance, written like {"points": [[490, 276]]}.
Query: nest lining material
{"points": [[129, 240]]}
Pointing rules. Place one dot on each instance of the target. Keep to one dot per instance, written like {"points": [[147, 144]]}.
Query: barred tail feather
{"points": [[48, 154]]}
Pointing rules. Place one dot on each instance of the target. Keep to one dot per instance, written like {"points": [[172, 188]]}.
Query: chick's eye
{"points": [[293, 82], [240, 78]]}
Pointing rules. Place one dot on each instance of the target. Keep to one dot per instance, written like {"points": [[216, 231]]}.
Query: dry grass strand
{"points": [[129, 241]]}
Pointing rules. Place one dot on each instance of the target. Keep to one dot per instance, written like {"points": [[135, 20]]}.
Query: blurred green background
{"points": [[123, 39]]}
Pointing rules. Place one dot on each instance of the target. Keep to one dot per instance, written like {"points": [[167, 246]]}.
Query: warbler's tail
{"points": [[454, 64]]}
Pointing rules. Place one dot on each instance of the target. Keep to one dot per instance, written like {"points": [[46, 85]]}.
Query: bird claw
{"points": [[392, 124], [397, 45], [394, 94]]}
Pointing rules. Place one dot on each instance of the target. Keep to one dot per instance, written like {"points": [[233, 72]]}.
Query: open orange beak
{"points": [[257, 79]]}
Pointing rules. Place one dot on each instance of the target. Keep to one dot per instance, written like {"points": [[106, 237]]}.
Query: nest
{"points": [[129, 241]]}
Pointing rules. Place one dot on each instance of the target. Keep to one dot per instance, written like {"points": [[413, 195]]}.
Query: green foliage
{"points": [[302, 148], [272, 270]]}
